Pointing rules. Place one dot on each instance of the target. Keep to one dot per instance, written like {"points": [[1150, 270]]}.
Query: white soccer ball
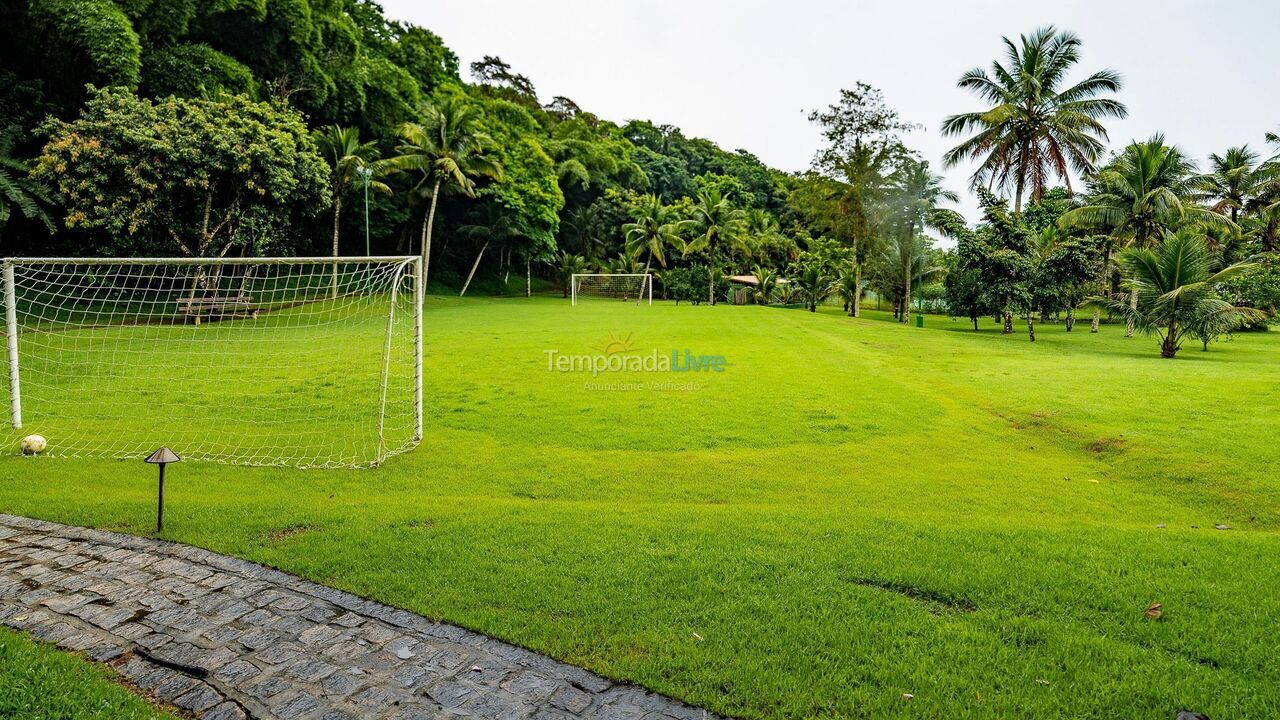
{"points": [[34, 444]]}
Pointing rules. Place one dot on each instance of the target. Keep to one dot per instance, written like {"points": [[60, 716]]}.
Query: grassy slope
{"points": [[39, 683], [853, 511]]}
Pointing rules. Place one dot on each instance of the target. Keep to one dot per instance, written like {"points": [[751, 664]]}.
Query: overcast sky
{"points": [[743, 73]]}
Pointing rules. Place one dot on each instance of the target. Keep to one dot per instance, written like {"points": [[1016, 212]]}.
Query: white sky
{"points": [[743, 73]]}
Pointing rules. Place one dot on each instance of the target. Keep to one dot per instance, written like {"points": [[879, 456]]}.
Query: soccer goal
{"points": [[631, 287], [306, 362]]}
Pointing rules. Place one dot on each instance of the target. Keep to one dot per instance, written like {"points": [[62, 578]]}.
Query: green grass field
{"points": [[851, 511]]}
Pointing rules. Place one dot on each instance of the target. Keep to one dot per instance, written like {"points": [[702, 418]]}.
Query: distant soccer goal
{"points": [[630, 287], [307, 362]]}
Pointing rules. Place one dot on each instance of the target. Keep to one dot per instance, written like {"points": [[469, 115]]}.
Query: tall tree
{"points": [[1034, 127], [447, 147], [1237, 182], [917, 194], [347, 157], [654, 230], [862, 134], [718, 222]]}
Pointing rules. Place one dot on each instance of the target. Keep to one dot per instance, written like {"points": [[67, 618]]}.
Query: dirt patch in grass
{"points": [[279, 535], [1106, 446]]}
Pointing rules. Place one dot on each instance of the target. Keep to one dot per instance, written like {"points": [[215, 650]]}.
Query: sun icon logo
{"points": [[616, 345]]}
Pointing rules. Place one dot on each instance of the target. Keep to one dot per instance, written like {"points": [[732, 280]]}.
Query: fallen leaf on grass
{"points": [[907, 696], [697, 636], [1154, 611]]}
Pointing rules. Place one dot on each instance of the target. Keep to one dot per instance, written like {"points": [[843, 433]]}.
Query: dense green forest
{"points": [[262, 127]]}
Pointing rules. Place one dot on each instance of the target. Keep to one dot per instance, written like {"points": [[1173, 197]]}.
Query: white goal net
{"points": [[630, 287], [307, 362]]}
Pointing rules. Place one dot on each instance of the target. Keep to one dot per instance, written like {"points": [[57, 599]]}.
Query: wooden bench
{"points": [[217, 307]]}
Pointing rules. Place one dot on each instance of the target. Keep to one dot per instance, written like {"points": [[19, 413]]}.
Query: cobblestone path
{"points": [[224, 638]]}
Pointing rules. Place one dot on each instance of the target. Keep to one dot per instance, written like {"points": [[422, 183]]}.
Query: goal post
{"points": [[637, 287], [305, 362]]}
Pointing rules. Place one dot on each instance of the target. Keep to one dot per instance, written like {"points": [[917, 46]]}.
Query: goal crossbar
{"points": [[299, 361], [616, 286]]}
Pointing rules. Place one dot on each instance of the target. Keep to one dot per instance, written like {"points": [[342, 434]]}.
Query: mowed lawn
{"points": [[851, 512]]}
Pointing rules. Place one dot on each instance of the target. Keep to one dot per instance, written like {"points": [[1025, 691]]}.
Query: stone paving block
{"points": [[200, 698], [279, 653], [571, 699], [267, 688], [237, 673], [295, 706], [170, 689], [225, 711]]}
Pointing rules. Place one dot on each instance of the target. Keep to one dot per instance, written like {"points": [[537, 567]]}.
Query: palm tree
{"points": [[1265, 226], [918, 194], [814, 284], [653, 230], [568, 266], [718, 222], [1034, 128], [848, 287], [766, 284], [447, 147], [1138, 199], [20, 192], [1174, 288], [1237, 182], [347, 157]]}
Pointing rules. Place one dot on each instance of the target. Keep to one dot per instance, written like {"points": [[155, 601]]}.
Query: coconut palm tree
{"points": [[1174, 289], [1138, 199], [814, 284], [347, 157], [718, 222], [567, 266], [1237, 182], [848, 287], [766, 284], [19, 192], [448, 147], [654, 229], [1034, 129]]}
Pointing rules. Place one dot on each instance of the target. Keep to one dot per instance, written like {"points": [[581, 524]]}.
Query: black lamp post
{"points": [[162, 457]]}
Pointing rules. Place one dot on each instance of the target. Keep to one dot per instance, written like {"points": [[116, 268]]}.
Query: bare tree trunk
{"points": [[1133, 304], [337, 210], [906, 296], [528, 276], [857, 281], [1106, 280], [474, 265], [1071, 318], [711, 282], [1031, 326], [426, 233], [1008, 323]]}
